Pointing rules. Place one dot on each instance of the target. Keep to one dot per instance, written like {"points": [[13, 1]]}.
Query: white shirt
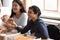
{"points": [[22, 20]]}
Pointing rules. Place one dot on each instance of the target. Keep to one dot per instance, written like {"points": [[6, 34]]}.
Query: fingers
{"points": [[1, 27], [4, 18], [11, 19]]}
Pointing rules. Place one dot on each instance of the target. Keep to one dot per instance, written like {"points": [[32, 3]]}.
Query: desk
{"points": [[8, 36], [14, 36]]}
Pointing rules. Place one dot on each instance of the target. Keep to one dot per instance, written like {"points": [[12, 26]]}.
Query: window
{"points": [[51, 5], [24, 3]]}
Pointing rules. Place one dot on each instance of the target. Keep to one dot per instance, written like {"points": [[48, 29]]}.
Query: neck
{"points": [[18, 15], [34, 19]]}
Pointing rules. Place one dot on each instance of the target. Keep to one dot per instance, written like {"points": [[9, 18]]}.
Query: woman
{"points": [[19, 14], [36, 25]]}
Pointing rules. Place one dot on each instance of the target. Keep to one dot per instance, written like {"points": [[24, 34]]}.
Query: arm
{"points": [[43, 30], [24, 30], [24, 19]]}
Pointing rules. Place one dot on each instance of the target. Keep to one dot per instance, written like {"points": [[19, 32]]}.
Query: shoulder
{"points": [[40, 21], [24, 15]]}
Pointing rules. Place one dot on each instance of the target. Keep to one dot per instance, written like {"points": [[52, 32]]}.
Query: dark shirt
{"points": [[38, 27]]}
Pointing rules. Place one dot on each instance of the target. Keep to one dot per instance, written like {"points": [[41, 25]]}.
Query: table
{"points": [[13, 36], [8, 36]]}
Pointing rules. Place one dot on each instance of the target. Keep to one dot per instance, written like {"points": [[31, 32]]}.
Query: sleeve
{"points": [[24, 30], [18, 29], [43, 30], [24, 19]]}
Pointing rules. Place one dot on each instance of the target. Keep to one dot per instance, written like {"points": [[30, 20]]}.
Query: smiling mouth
{"points": [[14, 9]]}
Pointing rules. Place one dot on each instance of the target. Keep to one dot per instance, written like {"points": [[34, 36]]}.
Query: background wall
{"points": [[6, 9], [40, 4], [47, 14]]}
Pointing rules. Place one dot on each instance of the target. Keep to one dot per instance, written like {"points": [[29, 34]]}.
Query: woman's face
{"points": [[31, 14], [15, 7]]}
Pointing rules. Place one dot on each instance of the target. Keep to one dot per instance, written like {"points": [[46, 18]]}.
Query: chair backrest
{"points": [[53, 32]]}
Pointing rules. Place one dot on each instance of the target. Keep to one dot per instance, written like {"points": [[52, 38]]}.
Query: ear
{"points": [[36, 14]]}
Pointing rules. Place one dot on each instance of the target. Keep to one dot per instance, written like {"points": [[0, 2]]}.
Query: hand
{"points": [[5, 18], [32, 34], [12, 22], [6, 24], [4, 31], [10, 25], [14, 25]]}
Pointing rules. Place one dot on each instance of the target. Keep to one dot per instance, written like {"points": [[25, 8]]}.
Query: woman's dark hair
{"points": [[36, 10], [22, 10]]}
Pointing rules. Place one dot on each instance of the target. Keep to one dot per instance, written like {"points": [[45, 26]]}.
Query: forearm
{"points": [[18, 29]]}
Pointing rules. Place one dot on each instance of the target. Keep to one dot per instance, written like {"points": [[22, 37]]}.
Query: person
{"points": [[19, 14], [6, 20], [36, 25], [0, 4], [10, 21]]}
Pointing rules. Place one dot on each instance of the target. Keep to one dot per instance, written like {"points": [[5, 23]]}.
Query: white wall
{"points": [[6, 8], [28, 4], [7, 3], [40, 4], [49, 14]]}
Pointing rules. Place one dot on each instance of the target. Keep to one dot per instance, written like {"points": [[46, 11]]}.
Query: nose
{"points": [[13, 7]]}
